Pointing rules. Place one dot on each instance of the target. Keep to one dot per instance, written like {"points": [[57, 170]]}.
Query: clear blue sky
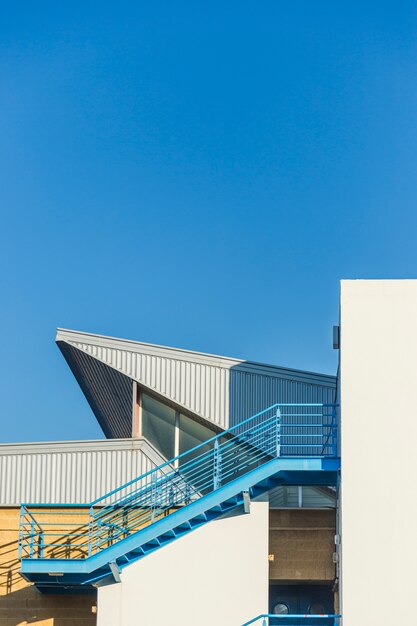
{"points": [[195, 174]]}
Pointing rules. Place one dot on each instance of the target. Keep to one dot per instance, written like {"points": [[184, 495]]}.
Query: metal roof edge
{"points": [[68, 335], [88, 445], [157, 394]]}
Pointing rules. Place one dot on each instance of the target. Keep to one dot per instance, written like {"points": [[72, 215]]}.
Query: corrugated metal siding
{"points": [[75, 472], [108, 391], [203, 389], [251, 393], [312, 498], [219, 389]]}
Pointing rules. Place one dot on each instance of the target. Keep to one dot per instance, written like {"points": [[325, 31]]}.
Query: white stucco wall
{"points": [[379, 451], [215, 575]]}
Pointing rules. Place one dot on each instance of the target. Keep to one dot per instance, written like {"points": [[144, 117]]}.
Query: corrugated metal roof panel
{"points": [[203, 389], [108, 391], [219, 389], [113, 343], [311, 497], [251, 393]]}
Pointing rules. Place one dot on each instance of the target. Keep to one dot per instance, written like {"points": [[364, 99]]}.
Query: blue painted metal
{"points": [[199, 485], [267, 619]]}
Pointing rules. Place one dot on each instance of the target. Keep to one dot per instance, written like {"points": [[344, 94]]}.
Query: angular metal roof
{"points": [[218, 389]]}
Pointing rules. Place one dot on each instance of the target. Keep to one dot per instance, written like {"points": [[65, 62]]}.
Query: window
{"points": [[281, 609], [193, 433], [170, 432], [158, 425]]}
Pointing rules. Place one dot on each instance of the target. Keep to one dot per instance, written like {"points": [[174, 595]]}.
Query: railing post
{"points": [[21, 532], [41, 545], [32, 539], [171, 496], [187, 497], [90, 531], [217, 466], [335, 433], [99, 535], [154, 494], [264, 621], [278, 432], [125, 522]]}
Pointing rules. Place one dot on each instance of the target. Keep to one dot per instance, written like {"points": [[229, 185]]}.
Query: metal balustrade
{"points": [[282, 430]]}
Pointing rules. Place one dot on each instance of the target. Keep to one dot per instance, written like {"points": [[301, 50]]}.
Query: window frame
{"points": [[137, 410]]}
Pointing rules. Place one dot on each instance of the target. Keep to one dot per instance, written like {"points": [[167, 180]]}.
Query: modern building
{"points": [[226, 492]]}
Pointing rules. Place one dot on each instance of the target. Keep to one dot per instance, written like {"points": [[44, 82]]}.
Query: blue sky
{"points": [[195, 174]]}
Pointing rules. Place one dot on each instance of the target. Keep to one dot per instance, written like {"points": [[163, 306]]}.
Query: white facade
{"points": [[216, 575], [379, 434]]}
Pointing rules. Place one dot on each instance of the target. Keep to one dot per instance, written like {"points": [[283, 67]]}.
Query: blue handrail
{"points": [[282, 430]]}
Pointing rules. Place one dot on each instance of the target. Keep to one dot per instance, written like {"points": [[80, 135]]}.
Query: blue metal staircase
{"points": [[284, 444]]}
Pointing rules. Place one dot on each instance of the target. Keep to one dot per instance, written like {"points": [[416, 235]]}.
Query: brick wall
{"points": [[302, 542], [20, 602]]}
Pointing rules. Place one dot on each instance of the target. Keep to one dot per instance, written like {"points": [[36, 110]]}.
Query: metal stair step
{"points": [[184, 527], [151, 545], [168, 536], [229, 504], [228, 470], [198, 520]]}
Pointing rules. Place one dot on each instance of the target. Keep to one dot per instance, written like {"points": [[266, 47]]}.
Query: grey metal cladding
{"points": [[251, 392], [312, 497], [108, 391], [219, 389], [71, 471], [197, 385]]}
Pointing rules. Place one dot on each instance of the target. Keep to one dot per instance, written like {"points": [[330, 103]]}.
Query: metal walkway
{"points": [[284, 444]]}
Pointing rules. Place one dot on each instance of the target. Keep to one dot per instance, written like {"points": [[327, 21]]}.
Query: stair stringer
{"points": [[88, 572]]}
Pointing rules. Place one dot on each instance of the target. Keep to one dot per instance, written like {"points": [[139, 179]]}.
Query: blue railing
{"points": [[282, 430], [270, 619]]}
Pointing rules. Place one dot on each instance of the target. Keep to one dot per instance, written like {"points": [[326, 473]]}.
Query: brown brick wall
{"points": [[302, 542], [20, 602]]}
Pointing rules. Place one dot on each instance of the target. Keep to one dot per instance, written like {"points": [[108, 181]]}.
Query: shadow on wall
{"points": [[20, 602]]}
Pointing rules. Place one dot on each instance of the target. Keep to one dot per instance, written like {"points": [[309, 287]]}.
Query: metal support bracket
{"points": [[114, 568], [246, 501]]}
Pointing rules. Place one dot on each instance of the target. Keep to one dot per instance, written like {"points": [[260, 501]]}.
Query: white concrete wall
{"points": [[216, 575], [379, 451]]}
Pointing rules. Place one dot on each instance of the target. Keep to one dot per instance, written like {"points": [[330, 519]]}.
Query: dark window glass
{"points": [[193, 433], [158, 425], [319, 498]]}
